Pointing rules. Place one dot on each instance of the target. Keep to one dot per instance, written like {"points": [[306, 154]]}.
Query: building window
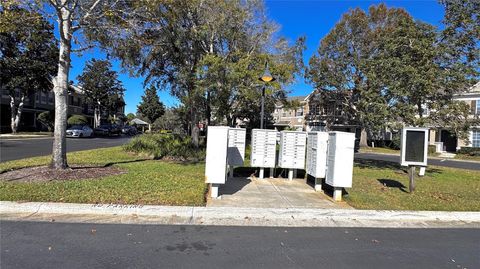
{"points": [[44, 98], [299, 112], [50, 98], [476, 138], [478, 107]]}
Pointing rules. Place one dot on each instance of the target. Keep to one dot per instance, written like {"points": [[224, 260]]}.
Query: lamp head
{"points": [[266, 77]]}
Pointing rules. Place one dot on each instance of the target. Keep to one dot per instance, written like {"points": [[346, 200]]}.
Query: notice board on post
{"points": [[414, 146]]}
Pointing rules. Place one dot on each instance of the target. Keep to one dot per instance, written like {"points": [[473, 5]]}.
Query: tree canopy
{"points": [[150, 106], [28, 53], [394, 70], [101, 87], [208, 54]]}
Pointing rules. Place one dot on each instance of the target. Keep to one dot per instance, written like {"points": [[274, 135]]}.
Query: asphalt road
{"points": [[437, 162], [57, 245], [14, 149]]}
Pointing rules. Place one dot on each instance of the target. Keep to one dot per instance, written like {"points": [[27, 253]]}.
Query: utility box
{"points": [[216, 160], [414, 146], [292, 149], [340, 161], [264, 147], [236, 146], [317, 143]]}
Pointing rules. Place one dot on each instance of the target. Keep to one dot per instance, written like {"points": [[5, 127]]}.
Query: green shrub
{"points": [[47, 118], [470, 151], [77, 120], [161, 146]]}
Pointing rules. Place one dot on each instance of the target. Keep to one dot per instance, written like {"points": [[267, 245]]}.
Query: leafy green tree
{"points": [[170, 120], [343, 64], [101, 87], [130, 116], [47, 119], [27, 56], [208, 53], [392, 70], [150, 106]]}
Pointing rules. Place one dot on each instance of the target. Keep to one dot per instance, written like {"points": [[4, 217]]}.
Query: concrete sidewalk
{"points": [[235, 216]]}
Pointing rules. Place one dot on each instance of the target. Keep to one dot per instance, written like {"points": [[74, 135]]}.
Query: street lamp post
{"points": [[266, 77]]}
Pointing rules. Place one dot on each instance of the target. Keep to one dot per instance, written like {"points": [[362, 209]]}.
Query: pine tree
{"points": [[151, 107]]}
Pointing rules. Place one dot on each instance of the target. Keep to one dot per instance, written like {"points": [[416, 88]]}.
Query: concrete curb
{"points": [[230, 216]]}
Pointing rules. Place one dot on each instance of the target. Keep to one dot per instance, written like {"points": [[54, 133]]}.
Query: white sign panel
{"points": [[414, 146], [340, 159], [317, 143], [236, 146], [264, 143], [292, 149], [216, 160]]}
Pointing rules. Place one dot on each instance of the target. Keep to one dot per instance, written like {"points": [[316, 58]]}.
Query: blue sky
{"points": [[313, 19]]}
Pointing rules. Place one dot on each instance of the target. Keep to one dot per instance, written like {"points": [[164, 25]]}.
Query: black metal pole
{"points": [[263, 107]]}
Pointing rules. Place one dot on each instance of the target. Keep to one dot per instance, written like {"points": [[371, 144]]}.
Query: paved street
{"points": [[438, 162], [56, 245], [14, 149]]}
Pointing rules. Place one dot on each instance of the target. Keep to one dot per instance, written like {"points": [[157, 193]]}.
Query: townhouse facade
{"points": [[447, 141], [292, 118], [326, 111], [39, 102]]}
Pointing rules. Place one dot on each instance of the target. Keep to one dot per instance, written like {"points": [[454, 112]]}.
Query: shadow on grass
{"points": [[379, 164], [109, 164], [390, 183]]}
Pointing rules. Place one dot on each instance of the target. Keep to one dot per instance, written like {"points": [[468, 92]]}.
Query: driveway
{"points": [[431, 161], [14, 149]]}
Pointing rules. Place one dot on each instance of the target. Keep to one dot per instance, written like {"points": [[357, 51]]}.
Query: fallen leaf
{"points": [[93, 231]]}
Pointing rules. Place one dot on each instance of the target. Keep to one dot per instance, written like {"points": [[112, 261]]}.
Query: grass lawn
{"points": [[146, 181], [380, 150], [384, 185], [467, 157]]}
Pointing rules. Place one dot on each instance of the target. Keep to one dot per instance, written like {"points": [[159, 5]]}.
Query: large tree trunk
{"points": [[60, 89], [363, 138], [16, 113], [96, 116]]}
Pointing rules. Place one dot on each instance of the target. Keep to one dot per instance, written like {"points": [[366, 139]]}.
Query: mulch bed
{"points": [[45, 174]]}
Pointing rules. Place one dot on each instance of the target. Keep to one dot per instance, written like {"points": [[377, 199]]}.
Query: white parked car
{"points": [[79, 131]]}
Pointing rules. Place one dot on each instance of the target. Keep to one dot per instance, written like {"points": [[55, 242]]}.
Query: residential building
{"points": [[447, 141], [292, 118], [39, 102]]}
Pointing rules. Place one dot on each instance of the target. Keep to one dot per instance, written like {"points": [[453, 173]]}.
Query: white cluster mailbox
{"points": [[292, 150], [317, 143], [216, 160], [340, 162], [264, 149], [236, 148]]}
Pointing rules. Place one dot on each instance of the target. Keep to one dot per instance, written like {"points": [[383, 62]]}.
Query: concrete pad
{"points": [[272, 193]]}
